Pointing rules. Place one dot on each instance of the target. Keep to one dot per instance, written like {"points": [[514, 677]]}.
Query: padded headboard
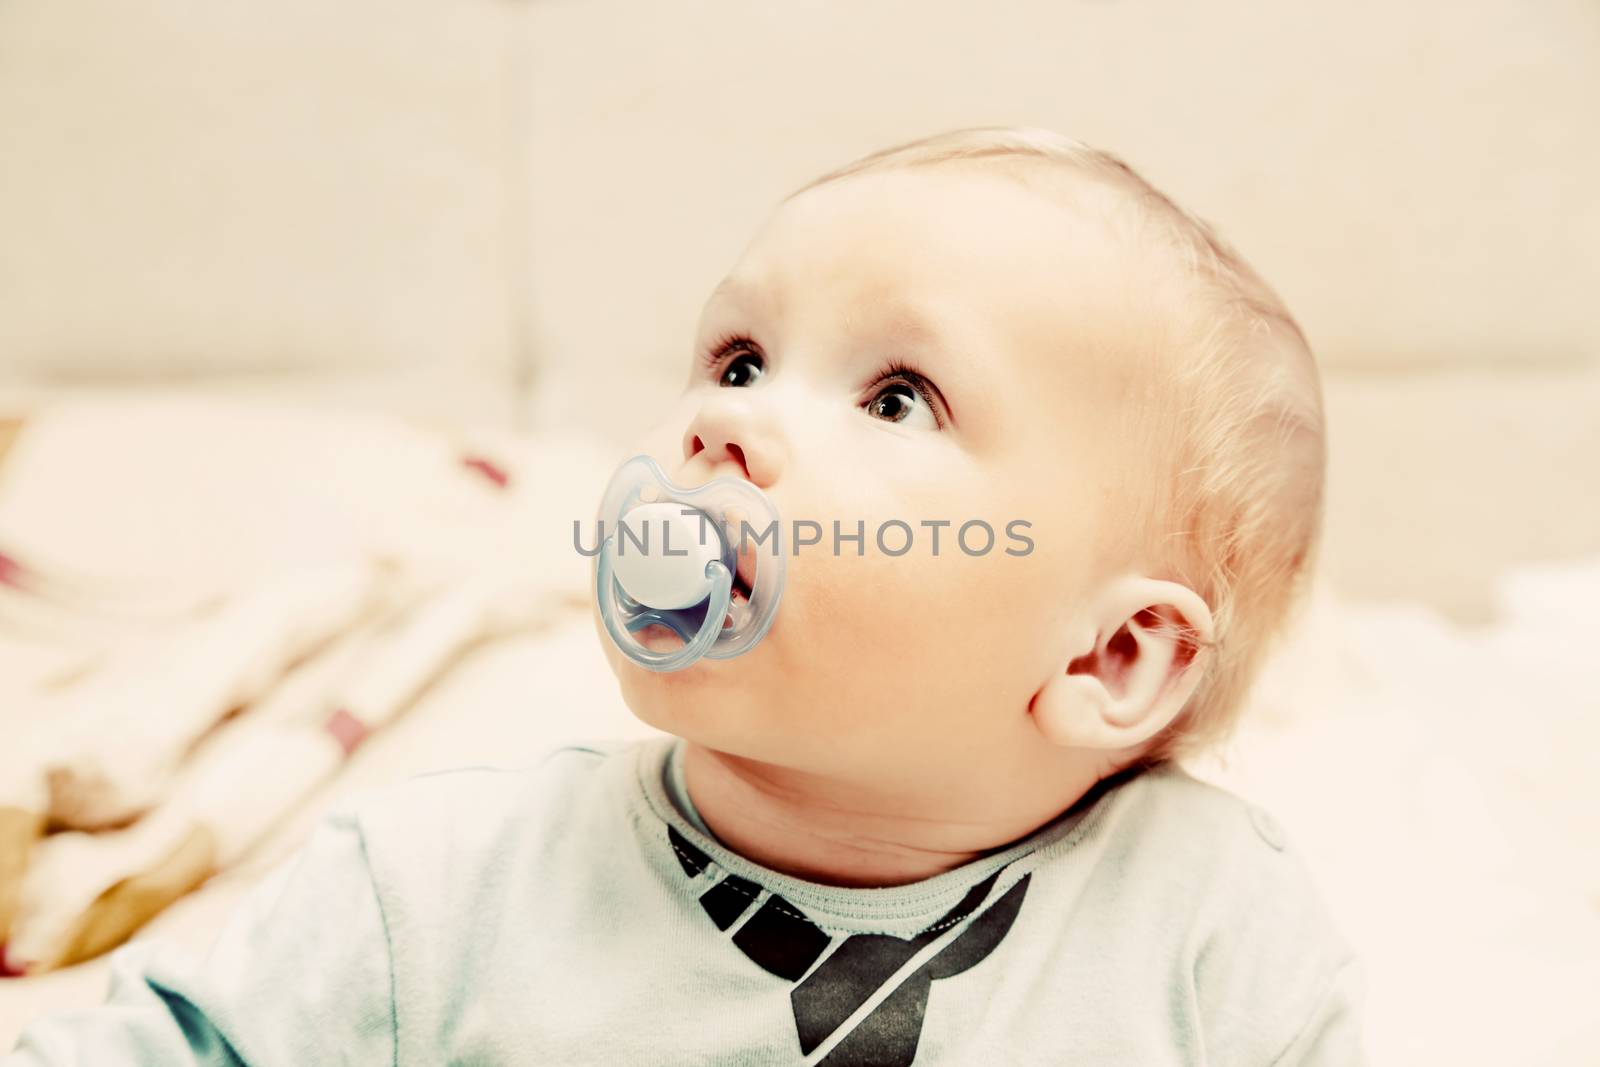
{"points": [[189, 185]]}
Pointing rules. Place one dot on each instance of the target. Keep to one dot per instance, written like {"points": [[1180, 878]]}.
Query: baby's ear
{"points": [[1130, 669]]}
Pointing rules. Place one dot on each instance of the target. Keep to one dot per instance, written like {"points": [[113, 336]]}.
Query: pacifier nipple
{"points": [[663, 555]]}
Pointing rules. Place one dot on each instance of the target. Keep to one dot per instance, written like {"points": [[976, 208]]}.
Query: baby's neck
{"points": [[841, 834]]}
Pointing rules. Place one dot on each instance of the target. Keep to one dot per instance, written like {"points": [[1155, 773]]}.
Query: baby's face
{"points": [[916, 347]]}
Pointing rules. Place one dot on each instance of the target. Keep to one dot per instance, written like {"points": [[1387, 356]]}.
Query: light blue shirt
{"points": [[574, 912]]}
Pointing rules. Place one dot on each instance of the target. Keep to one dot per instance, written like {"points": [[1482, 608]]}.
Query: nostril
{"points": [[696, 446], [738, 454]]}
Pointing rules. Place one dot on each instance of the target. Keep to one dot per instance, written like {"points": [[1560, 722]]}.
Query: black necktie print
{"points": [[783, 941]]}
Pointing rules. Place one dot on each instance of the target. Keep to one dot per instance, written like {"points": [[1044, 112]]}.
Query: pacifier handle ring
{"points": [[716, 613]]}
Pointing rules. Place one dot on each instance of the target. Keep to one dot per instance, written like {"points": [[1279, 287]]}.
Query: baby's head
{"points": [[1004, 331]]}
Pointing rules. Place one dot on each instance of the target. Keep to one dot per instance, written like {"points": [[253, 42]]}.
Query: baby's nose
{"points": [[727, 430]]}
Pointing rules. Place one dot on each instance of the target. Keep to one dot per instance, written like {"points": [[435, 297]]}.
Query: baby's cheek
{"points": [[931, 625]]}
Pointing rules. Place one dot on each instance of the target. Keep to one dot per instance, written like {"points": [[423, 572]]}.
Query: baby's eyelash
{"points": [[726, 346], [899, 370]]}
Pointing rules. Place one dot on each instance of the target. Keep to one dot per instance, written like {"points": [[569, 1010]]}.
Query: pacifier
{"points": [[670, 557]]}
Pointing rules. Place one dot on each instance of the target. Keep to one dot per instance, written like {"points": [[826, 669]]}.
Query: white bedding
{"points": [[1438, 779]]}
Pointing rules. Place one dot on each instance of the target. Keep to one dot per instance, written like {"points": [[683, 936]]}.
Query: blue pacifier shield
{"points": [[705, 565]]}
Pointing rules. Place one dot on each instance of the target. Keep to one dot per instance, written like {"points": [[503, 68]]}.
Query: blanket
{"points": [[163, 727]]}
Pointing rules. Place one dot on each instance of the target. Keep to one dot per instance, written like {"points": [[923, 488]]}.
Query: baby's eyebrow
{"points": [[886, 318], [744, 296], [734, 290]]}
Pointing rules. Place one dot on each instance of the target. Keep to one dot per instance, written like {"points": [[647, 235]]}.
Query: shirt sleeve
{"points": [[1331, 1037], [301, 973]]}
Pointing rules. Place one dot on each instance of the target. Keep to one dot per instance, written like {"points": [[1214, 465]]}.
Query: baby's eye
{"points": [[742, 371], [900, 401]]}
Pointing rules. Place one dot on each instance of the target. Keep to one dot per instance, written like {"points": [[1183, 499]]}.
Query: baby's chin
{"points": [[711, 701]]}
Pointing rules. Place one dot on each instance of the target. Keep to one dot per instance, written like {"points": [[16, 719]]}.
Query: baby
{"points": [[936, 815]]}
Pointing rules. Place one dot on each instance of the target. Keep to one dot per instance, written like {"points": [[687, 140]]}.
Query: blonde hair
{"points": [[1238, 515]]}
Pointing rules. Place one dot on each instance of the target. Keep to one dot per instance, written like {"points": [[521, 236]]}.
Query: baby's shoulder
{"points": [[442, 835], [1170, 809], [1255, 939], [1227, 855]]}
